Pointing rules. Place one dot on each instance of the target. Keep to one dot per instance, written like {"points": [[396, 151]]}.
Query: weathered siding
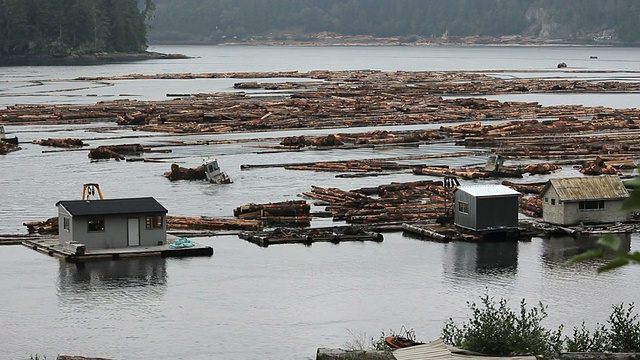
{"points": [[567, 213], [611, 213], [553, 214]]}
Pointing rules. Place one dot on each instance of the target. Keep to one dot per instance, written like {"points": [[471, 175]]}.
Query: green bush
{"points": [[585, 341], [495, 329], [624, 329]]}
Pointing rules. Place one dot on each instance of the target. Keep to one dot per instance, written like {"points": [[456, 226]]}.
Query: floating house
{"points": [[586, 200], [112, 223], [486, 208]]}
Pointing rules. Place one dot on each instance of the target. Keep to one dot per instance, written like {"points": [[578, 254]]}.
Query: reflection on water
{"points": [[463, 258], [109, 275], [558, 250]]}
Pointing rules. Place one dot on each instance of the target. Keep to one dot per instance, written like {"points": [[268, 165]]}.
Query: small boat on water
{"points": [[4, 138], [214, 174], [495, 166]]}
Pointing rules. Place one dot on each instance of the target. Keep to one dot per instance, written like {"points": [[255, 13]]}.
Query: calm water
{"points": [[281, 302]]}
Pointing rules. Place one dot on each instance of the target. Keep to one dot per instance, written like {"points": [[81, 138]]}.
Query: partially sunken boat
{"points": [[209, 171], [4, 138], [214, 174]]}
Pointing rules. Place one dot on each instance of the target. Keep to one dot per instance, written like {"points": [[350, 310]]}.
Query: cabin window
{"points": [[95, 225], [546, 199], [463, 207], [591, 205], [154, 222], [65, 223], [553, 201]]}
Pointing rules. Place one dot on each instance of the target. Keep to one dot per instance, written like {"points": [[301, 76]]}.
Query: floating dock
{"points": [[53, 248], [447, 233], [309, 236]]}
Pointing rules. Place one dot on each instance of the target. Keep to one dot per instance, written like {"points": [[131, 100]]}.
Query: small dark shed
{"points": [[486, 207]]}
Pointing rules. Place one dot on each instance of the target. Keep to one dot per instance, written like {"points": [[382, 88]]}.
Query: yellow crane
{"points": [[89, 191]]}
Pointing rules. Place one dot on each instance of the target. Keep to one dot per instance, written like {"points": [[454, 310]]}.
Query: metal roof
{"points": [[487, 190], [438, 350], [145, 205], [607, 187]]}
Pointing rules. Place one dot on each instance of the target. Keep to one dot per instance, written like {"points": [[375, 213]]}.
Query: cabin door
{"points": [[133, 231]]}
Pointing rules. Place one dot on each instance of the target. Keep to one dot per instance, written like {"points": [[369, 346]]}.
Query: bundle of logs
{"points": [[206, 223], [418, 200], [374, 137], [180, 173], [7, 147], [61, 143], [50, 226], [554, 139], [481, 173], [602, 165], [293, 213], [47, 227], [353, 166], [117, 152]]}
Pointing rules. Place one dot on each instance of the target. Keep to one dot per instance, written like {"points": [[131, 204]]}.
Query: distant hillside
{"points": [[576, 21]]}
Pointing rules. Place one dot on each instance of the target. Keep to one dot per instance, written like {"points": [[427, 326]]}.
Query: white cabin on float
{"points": [[586, 200], [112, 223]]}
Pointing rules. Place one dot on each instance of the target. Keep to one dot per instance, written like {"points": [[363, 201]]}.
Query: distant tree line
{"points": [[65, 27], [217, 20]]}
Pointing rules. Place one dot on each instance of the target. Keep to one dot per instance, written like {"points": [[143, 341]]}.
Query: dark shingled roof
{"points": [[146, 205]]}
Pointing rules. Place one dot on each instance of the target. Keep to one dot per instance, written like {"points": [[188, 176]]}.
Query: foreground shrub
{"points": [[495, 329], [624, 329]]}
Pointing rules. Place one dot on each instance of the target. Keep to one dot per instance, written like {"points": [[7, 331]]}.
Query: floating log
{"points": [[180, 173], [525, 188], [206, 223], [47, 227], [290, 213], [285, 208], [7, 147], [62, 143], [116, 151]]}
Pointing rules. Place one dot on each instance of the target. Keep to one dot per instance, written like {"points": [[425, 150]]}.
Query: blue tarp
{"points": [[182, 243]]}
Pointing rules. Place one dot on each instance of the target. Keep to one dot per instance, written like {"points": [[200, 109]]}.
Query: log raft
{"points": [[309, 236]]}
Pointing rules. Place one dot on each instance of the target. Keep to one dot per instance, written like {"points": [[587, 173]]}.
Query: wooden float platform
{"points": [[546, 229], [53, 248], [447, 233], [17, 239], [308, 236]]}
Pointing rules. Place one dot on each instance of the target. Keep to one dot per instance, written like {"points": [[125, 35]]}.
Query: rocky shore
{"points": [[85, 59], [334, 39]]}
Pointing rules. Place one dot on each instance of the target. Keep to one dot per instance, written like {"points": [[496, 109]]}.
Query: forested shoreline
{"points": [[76, 28], [81, 29], [224, 21]]}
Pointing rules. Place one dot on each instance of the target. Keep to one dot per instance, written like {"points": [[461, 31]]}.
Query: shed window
{"points": [[546, 199], [591, 205], [553, 201], [65, 223], [95, 225], [154, 222], [463, 207]]}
